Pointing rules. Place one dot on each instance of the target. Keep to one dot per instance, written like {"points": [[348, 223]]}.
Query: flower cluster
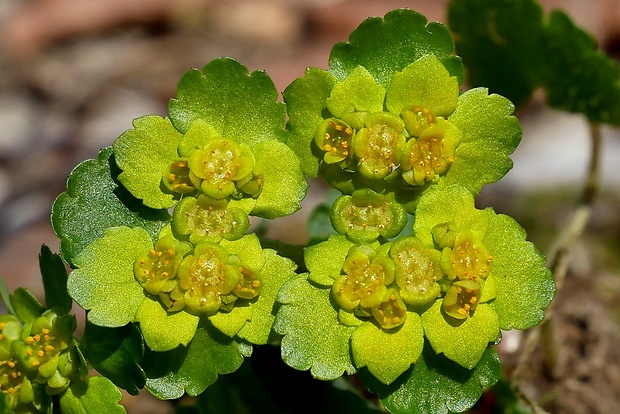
{"points": [[399, 140], [37, 359], [186, 266]]}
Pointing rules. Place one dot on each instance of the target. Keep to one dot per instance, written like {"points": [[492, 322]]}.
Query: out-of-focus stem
{"points": [[558, 261]]}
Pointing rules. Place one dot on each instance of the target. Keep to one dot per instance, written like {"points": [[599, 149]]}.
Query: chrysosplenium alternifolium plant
{"points": [[157, 230]]}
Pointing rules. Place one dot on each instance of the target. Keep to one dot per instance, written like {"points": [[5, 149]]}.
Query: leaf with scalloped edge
{"points": [[462, 341], [489, 134], [436, 385], [500, 43], [104, 281], [116, 353], [193, 368], [277, 271], [577, 75], [164, 331], [143, 154], [324, 260], [525, 287], [284, 184], [313, 338], [388, 354], [239, 105], [95, 201], [386, 45], [523, 284], [306, 101], [95, 395]]}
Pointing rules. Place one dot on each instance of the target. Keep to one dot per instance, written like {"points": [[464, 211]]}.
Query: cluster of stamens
{"points": [[40, 348]]}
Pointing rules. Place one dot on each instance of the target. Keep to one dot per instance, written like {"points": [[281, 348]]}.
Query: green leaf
{"points": [[95, 395], [192, 369], [5, 295], [436, 385], [93, 202], [425, 83], [306, 102], [457, 206], [385, 46], [358, 92], [274, 274], [284, 185], [143, 154], [164, 331], [489, 135], [590, 79], [265, 384], [313, 337], [388, 354], [104, 281], [116, 353], [54, 276], [320, 225], [462, 341], [236, 104], [27, 308], [324, 260], [525, 287], [500, 43]]}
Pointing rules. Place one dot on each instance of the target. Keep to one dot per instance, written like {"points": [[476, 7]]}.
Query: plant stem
{"points": [[558, 261]]}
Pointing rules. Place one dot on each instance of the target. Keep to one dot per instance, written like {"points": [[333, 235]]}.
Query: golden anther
{"points": [[49, 348], [40, 353], [35, 363], [29, 340], [11, 364], [28, 352], [152, 252], [37, 338], [171, 177], [256, 283], [349, 131], [462, 311], [46, 337], [473, 300]]}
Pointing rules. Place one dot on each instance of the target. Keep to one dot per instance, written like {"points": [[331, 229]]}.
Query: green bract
{"points": [[403, 132]]}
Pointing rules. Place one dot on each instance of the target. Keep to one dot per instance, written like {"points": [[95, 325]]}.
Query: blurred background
{"points": [[74, 73]]}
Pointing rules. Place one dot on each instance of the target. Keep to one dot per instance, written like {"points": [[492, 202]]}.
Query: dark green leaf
{"points": [[93, 202], [385, 46], [313, 337], [54, 276], [27, 307], [500, 43], [116, 353], [193, 368], [579, 77], [265, 385], [239, 105], [5, 295], [96, 395], [436, 385]]}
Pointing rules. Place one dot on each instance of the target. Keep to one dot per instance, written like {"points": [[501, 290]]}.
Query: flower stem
{"points": [[558, 261]]}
